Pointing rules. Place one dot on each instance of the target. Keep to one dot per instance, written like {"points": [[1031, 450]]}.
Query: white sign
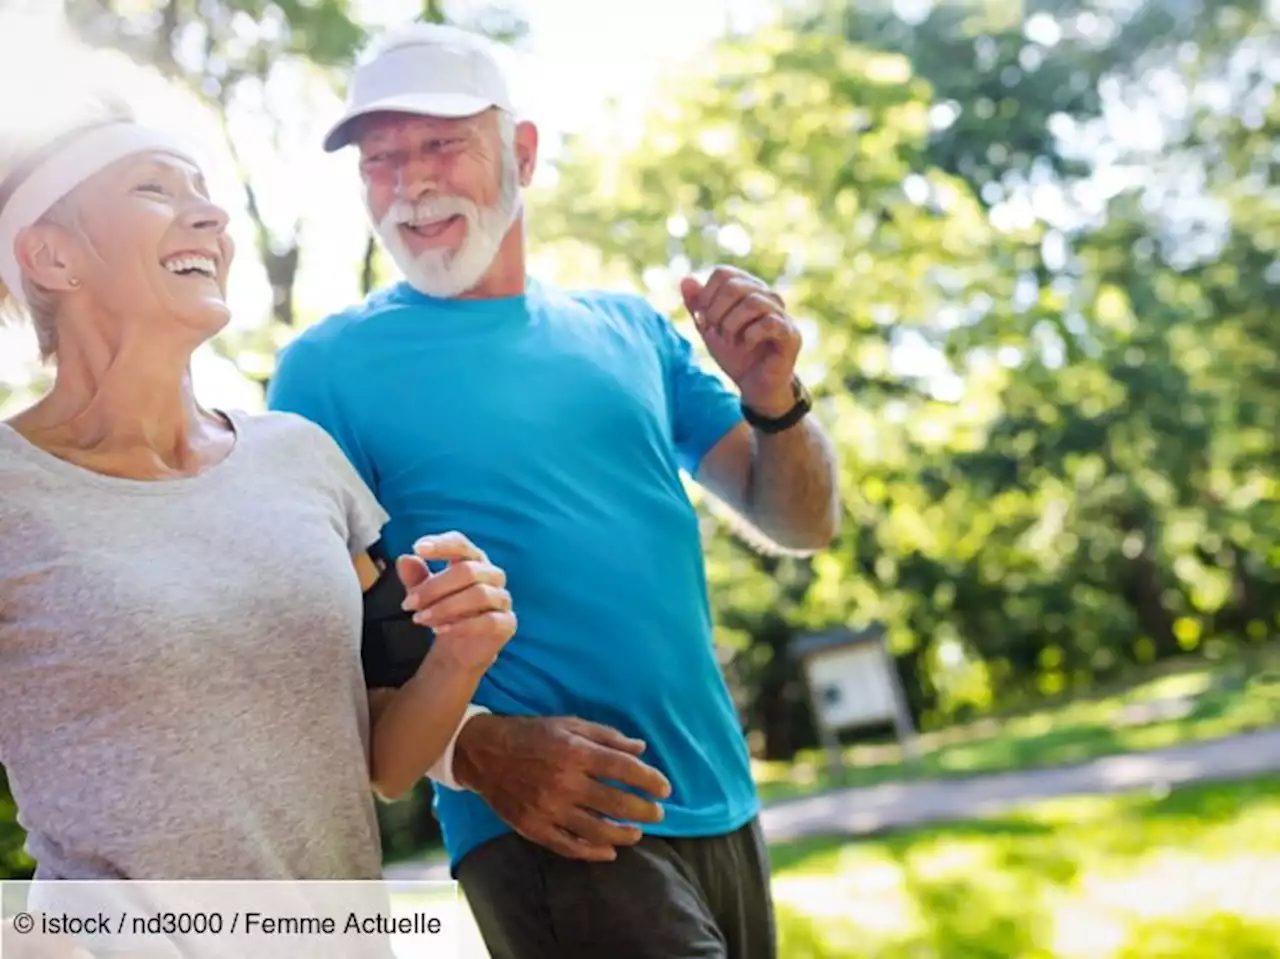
{"points": [[850, 687]]}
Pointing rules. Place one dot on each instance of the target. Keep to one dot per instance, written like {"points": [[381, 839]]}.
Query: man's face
{"points": [[442, 193]]}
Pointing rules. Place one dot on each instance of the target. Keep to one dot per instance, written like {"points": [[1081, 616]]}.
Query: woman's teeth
{"points": [[183, 265]]}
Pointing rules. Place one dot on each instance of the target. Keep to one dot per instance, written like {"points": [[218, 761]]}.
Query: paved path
{"points": [[868, 809]]}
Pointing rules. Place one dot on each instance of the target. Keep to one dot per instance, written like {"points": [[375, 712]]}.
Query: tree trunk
{"points": [[1146, 592], [367, 277], [282, 274], [783, 716], [282, 267], [1244, 590], [163, 57], [1153, 618], [775, 719]]}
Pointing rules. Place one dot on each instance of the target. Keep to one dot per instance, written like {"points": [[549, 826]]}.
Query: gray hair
{"points": [[42, 305], [510, 172]]}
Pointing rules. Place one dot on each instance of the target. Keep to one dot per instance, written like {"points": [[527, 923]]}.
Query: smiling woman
{"points": [[94, 225], [182, 645]]}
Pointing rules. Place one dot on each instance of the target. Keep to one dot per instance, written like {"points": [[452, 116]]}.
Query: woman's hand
{"points": [[467, 604], [469, 608]]}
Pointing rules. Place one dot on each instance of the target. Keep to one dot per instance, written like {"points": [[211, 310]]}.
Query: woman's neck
{"points": [[127, 412]]}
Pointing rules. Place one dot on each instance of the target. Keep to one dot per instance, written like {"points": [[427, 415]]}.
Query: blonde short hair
{"points": [[42, 305]]}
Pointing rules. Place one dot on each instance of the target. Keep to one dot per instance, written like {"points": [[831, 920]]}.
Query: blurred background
{"points": [[1034, 249]]}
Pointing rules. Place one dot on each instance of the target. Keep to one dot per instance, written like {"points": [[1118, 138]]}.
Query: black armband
{"points": [[392, 646]]}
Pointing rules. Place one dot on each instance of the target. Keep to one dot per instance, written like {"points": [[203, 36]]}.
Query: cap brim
{"points": [[449, 105]]}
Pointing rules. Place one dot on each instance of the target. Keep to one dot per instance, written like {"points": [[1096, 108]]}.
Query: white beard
{"points": [[446, 273]]}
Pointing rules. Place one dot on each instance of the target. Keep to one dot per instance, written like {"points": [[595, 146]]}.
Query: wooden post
{"points": [[826, 735], [835, 755], [902, 723]]}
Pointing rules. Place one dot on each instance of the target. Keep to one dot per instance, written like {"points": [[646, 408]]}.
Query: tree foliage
{"points": [[1045, 346]]}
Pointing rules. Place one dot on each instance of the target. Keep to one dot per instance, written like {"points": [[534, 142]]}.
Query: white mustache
{"points": [[431, 210]]}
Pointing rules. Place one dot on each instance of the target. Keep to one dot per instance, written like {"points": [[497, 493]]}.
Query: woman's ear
{"points": [[47, 256]]}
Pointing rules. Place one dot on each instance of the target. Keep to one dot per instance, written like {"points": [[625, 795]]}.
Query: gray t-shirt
{"points": [[181, 695]]}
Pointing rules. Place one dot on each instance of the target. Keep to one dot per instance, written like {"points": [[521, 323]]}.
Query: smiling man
{"points": [[598, 799]]}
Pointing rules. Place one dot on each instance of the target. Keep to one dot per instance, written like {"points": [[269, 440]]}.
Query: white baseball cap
{"points": [[429, 70]]}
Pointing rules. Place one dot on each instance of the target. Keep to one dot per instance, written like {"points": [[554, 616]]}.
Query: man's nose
{"points": [[417, 177]]}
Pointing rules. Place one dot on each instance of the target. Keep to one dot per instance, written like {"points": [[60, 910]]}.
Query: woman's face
{"points": [[157, 245]]}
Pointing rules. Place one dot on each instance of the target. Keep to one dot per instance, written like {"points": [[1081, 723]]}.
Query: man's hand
{"points": [[545, 779], [749, 333], [467, 605]]}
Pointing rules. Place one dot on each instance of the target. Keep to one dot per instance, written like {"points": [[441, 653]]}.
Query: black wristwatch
{"points": [[767, 424]]}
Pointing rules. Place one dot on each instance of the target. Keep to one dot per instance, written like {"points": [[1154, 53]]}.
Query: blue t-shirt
{"points": [[551, 429]]}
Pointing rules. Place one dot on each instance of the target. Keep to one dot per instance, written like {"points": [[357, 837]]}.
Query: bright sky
{"points": [[578, 58]]}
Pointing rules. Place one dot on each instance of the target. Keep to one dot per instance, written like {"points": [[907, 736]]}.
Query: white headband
{"points": [[65, 170]]}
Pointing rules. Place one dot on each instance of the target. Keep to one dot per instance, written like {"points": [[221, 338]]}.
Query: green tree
{"points": [[1088, 480], [802, 158]]}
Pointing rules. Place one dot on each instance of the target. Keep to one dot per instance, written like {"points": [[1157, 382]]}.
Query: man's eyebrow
{"points": [[382, 140]]}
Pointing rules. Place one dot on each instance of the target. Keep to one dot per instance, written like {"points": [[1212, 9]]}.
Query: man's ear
{"points": [[47, 255], [526, 151]]}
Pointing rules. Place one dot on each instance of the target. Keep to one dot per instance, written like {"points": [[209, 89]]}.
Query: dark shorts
{"points": [[660, 899]]}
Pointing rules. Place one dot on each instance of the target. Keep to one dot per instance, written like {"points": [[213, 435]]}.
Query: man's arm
{"points": [[785, 483], [783, 479], [546, 778]]}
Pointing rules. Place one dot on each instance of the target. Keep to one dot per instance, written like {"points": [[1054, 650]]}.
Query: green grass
{"points": [[1194, 874], [1196, 703], [1202, 703]]}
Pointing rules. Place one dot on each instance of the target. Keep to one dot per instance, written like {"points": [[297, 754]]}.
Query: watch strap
{"points": [[772, 424]]}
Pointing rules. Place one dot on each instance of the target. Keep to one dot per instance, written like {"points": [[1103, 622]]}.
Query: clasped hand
{"points": [[466, 604]]}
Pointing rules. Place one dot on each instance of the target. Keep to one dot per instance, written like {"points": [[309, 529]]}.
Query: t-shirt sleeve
{"points": [[365, 515], [703, 409], [361, 510]]}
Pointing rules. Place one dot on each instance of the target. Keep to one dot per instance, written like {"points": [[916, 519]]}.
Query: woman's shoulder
{"points": [[289, 442], [302, 451], [279, 429], [19, 466]]}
